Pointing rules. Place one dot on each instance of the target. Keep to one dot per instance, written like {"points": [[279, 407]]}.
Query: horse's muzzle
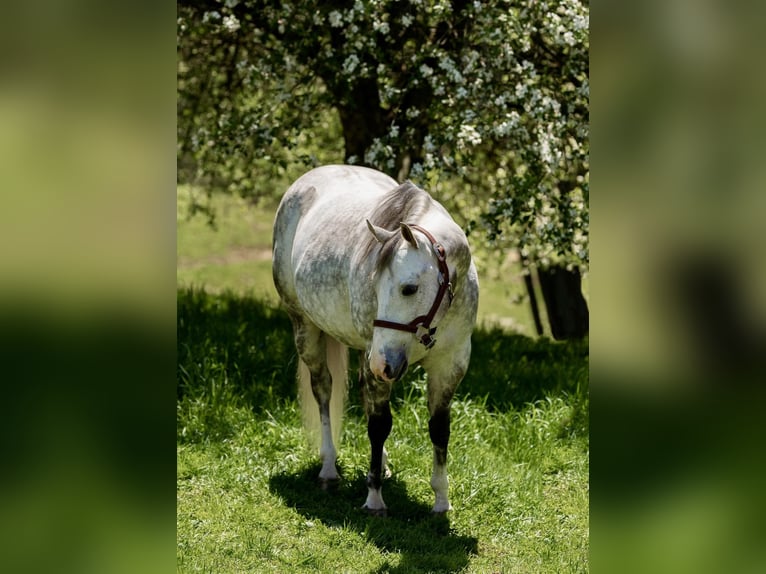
{"points": [[393, 368]]}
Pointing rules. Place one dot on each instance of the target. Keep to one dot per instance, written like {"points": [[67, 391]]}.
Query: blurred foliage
{"points": [[484, 104]]}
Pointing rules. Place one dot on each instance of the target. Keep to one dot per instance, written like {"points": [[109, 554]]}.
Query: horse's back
{"points": [[347, 178], [339, 193], [325, 200]]}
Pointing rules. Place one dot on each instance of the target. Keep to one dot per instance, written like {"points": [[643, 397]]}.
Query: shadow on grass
{"points": [[425, 542]]}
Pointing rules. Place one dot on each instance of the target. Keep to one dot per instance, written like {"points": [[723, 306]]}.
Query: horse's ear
{"points": [[382, 235], [408, 234]]}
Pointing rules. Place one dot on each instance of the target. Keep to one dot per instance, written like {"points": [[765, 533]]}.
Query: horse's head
{"points": [[409, 275]]}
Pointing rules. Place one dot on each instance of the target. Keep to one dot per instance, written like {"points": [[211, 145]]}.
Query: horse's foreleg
{"points": [[443, 379], [379, 422], [439, 429], [378, 428]]}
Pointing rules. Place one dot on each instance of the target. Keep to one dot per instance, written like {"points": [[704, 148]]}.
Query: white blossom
{"points": [[231, 23], [212, 15], [335, 18], [508, 125], [381, 27], [350, 64], [468, 135]]}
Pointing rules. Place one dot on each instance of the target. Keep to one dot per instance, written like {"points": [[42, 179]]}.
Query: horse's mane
{"points": [[406, 202]]}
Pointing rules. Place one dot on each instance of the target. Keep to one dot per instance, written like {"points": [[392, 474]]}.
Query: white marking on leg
{"points": [[327, 453], [374, 499], [440, 486]]}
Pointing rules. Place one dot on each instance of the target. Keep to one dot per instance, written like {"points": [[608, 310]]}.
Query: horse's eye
{"points": [[408, 290]]}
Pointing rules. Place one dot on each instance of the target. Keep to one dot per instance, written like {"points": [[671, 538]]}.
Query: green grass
{"points": [[248, 500], [235, 254], [247, 496]]}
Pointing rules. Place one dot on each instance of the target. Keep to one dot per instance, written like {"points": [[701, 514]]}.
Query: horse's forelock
{"points": [[406, 202]]}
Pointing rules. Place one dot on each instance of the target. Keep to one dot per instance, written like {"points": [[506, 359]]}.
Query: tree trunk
{"points": [[533, 303], [361, 117], [566, 306]]}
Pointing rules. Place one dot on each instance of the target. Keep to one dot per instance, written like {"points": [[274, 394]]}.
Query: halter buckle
{"points": [[424, 335], [450, 292], [441, 255]]}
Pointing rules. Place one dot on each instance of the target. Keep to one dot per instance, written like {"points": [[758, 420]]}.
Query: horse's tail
{"points": [[337, 363]]}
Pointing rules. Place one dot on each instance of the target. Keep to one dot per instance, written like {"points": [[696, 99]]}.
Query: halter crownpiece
{"points": [[421, 326]]}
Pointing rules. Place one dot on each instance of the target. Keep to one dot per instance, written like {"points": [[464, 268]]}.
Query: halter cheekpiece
{"points": [[421, 326]]}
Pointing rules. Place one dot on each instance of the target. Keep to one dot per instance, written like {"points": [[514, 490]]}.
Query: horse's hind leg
{"points": [[376, 396], [311, 345]]}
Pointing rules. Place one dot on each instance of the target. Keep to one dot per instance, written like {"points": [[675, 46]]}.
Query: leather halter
{"points": [[421, 326]]}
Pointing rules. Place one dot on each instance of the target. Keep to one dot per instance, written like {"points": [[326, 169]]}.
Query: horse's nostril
{"points": [[394, 372]]}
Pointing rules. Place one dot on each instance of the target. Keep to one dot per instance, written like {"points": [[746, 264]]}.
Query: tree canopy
{"points": [[487, 101]]}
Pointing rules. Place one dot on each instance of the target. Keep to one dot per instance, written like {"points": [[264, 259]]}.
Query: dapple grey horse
{"points": [[362, 262]]}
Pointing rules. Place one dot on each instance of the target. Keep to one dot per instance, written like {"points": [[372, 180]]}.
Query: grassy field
{"points": [[247, 497]]}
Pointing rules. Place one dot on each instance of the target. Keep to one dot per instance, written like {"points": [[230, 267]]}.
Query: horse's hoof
{"points": [[329, 484], [441, 510], [382, 512]]}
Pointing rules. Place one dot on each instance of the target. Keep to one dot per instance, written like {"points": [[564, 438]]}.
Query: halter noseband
{"points": [[421, 325]]}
